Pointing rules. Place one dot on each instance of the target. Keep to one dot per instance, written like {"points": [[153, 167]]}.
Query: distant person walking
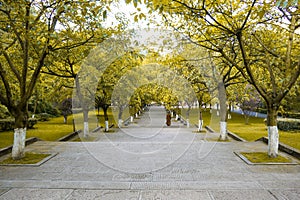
{"points": [[168, 118]]}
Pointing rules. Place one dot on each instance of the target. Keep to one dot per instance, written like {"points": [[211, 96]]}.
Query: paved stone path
{"points": [[148, 160]]}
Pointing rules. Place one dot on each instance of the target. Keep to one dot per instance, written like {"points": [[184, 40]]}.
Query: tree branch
{"points": [[8, 100], [12, 66], [264, 46]]}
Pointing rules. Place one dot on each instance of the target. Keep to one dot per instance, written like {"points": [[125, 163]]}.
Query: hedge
{"points": [[9, 124], [288, 124], [285, 114]]}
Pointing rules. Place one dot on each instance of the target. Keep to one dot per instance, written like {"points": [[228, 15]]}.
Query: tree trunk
{"points": [[21, 119], [188, 117], [105, 108], [229, 110], [19, 143], [65, 119], [273, 134], [120, 121], [218, 112], [223, 111], [246, 116], [200, 123], [85, 122]]}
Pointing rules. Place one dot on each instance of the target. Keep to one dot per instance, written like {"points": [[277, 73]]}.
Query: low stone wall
{"points": [[8, 149], [69, 136], [236, 137], [283, 147]]}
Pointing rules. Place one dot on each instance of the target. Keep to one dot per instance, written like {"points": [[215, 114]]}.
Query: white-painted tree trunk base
{"points": [[229, 116], [65, 120], [106, 126], [19, 143], [136, 115], [131, 118], [218, 113], [172, 114], [177, 117], [223, 130], [273, 141], [85, 129], [120, 123], [200, 125], [188, 123]]}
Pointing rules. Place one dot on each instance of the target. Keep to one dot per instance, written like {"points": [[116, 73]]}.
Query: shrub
{"points": [[9, 124], [3, 112], [43, 117], [288, 124]]}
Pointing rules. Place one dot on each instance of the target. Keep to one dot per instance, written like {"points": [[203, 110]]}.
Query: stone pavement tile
{"points": [[195, 185], [104, 195], [287, 194], [3, 191], [118, 176], [36, 194], [241, 194], [281, 184], [174, 194], [47, 184]]}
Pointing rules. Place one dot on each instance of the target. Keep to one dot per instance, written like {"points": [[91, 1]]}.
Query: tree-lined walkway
{"points": [[205, 170]]}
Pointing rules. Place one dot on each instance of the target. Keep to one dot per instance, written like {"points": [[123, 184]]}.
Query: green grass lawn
{"points": [[262, 157], [93, 119], [30, 158], [250, 132], [194, 116], [54, 129], [49, 130], [257, 129]]}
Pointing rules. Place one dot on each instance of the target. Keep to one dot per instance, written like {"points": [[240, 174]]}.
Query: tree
{"points": [[66, 108], [68, 63], [110, 77], [249, 35], [65, 64], [29, 31]]}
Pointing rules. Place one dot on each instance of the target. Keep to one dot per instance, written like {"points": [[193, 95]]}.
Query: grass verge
{"points": [[30, 158], [262, 157], [55, 128], [250, 132], [257, 129]]}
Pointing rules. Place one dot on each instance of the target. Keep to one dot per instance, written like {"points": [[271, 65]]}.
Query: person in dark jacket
{"points": [[168, 119]]}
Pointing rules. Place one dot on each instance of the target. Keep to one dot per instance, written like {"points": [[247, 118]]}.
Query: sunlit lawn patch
{"points": [[49, 130], [250, 132], [262, 157], [54, 129], [257, 129], [30, 158]]}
